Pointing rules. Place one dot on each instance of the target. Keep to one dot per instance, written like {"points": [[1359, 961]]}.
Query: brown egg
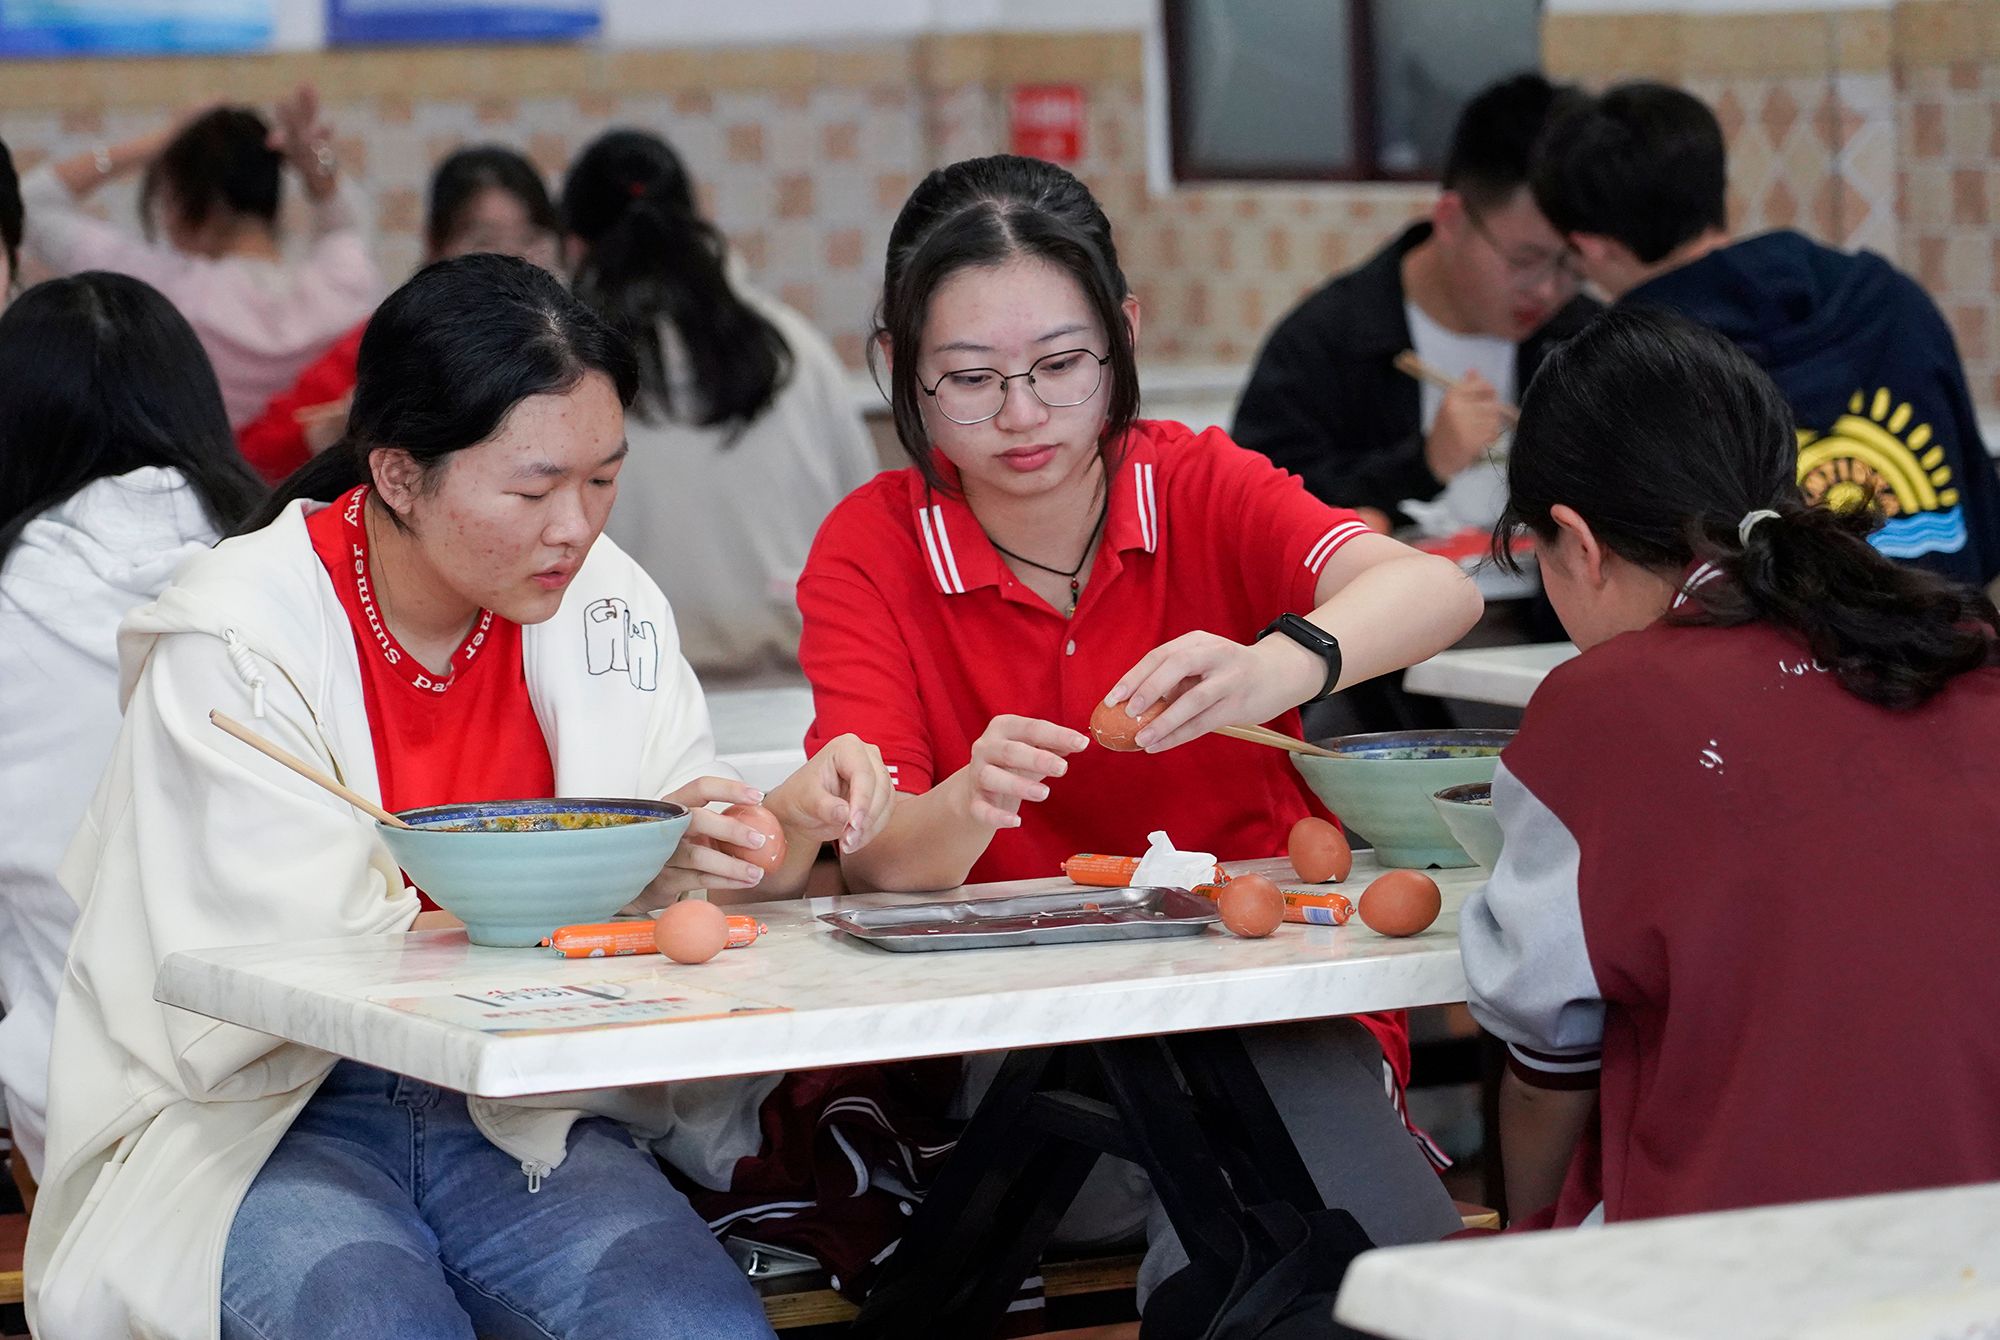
{"points": [[772, 854], [1114, 728], [1251, 906], [1400, 902], [691, 931], [1319, 851]]}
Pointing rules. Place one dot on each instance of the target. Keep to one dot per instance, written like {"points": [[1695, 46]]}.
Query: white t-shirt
{"points": [[1476, 495]]}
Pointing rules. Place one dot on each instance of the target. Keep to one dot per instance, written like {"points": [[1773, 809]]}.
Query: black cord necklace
{"points": [[1073, 574]]}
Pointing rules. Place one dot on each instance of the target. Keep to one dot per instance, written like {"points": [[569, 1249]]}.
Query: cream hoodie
{"points": [[159, 1118], [76, 570]]}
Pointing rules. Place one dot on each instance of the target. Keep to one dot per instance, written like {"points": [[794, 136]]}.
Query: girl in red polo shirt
{"points": [[1741, 939], [1046, 551]]}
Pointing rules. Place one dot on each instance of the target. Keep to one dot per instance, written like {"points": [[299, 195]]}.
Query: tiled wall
{"points": [[1874, 127], [1948, 127], [804, 156]]}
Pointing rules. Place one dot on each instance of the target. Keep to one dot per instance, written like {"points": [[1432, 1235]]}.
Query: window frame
{"points": [[1190, 168]]}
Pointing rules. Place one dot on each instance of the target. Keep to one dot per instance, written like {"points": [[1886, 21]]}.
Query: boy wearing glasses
{"points": [[1480, 291], [1636, 179]]}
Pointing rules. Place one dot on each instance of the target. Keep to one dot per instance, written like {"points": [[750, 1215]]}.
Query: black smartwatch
{"points": [[1315, 640]]}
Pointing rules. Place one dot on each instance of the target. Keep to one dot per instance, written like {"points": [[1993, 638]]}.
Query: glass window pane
{"points": [[1431, 56], [1268, 85]]}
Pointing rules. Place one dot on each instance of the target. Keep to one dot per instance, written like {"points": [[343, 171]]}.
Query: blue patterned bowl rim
{"points": [[1395, 742], [433, 816], [1466, 793]]}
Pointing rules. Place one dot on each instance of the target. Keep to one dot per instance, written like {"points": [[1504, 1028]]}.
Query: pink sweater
{"points": [[261, 321]]}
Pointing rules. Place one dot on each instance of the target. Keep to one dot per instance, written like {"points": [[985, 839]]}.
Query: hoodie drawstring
{"points": [[246, 669]]}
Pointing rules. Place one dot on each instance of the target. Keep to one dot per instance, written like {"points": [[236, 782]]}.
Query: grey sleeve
{"points": [[1527, 970]]}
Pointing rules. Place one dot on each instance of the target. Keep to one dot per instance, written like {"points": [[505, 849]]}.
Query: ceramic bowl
{"points": [[1468, 812], [514, 870], [1381, 787]]}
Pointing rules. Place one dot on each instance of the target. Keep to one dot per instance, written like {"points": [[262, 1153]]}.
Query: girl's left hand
{"points": [[1211, 682], [843, 793]]}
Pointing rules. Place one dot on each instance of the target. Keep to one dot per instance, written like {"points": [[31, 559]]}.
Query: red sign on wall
{"points": [[1046, 121]]}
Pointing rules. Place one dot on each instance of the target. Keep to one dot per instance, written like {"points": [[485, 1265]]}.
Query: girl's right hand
{"points": [[1008, 764]]}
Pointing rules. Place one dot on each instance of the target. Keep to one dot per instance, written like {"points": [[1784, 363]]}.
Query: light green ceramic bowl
{"points": [[1468, 812], [1381, 787], [514, 870]]}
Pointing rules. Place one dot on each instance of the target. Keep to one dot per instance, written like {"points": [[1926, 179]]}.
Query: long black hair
{"points": [[222, 160], [444, 360], [651, 257], [1665, 437], [100, 375], [987, 211], [470, 172], [10, 213]]}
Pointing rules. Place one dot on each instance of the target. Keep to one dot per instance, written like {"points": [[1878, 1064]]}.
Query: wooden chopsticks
{"points": [[1275, 739], [1409, 364]]}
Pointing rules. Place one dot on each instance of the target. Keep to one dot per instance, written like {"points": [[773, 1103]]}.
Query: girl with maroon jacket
{"points": [[1750, 832]]}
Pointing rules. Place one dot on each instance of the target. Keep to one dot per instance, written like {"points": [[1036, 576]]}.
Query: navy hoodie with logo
{"points": [[1874, 381]]}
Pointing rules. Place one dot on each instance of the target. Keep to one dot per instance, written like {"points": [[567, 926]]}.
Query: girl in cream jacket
{"points": [[161, 1119]]}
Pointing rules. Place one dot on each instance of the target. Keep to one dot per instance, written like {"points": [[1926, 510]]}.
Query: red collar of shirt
{"points": [[960, 557], [354, 530]]}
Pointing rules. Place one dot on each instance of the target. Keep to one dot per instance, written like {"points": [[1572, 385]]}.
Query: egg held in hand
{"points": [[769, 856], [1250, 906], [1115, 728], [691, 931], [1319, 851], [1400, 902]]}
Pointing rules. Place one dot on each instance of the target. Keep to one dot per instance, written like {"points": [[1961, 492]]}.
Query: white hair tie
{"points": [[1749, 523]]}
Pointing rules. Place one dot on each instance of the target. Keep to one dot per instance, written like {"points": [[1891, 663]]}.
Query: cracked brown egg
{"points": [[1115, 728]]}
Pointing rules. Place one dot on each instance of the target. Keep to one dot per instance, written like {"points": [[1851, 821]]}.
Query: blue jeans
{"points": [[384, 1212]]}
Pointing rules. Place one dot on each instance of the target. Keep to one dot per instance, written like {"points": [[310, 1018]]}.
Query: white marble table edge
{"points": [[1415, 973]]}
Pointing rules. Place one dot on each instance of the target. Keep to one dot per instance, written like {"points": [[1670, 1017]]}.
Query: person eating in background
{"points": [[211, 187], [484, 197], [1481, 291], [1750, 833], [744, 434], [1637, 179], [416, 614], [1046, 551]]}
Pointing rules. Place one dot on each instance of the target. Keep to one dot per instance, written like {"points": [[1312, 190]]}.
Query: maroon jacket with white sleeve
{"points": [[1767, 909]]}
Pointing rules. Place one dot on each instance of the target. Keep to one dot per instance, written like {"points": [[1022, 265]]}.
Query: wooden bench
{"points": [[813, 1304], [13, 1240]]}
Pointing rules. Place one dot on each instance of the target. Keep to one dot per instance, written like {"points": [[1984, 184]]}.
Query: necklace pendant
{"points": [[1074, 587]]}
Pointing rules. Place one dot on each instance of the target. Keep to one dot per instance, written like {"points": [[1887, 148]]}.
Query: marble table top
{"points": [[508, 1022], [1507, 676], [1922, 1265]]}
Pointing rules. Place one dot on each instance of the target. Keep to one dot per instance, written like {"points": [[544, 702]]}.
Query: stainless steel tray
{"points": [[1065, 917]]}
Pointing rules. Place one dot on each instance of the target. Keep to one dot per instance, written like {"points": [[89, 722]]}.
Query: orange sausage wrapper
{"points": [[1307, 904], [1110, 872], [615, 939]]}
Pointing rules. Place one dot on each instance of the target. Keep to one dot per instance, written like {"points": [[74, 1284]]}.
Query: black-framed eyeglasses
{"points": [[974, 395], [1529, 272]]}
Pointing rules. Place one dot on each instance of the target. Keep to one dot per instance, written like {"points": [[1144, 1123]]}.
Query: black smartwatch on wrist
{"points": [[1315, 640]]}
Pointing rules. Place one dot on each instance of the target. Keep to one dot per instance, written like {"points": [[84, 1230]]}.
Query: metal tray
{"points": [[1066, 917]]}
